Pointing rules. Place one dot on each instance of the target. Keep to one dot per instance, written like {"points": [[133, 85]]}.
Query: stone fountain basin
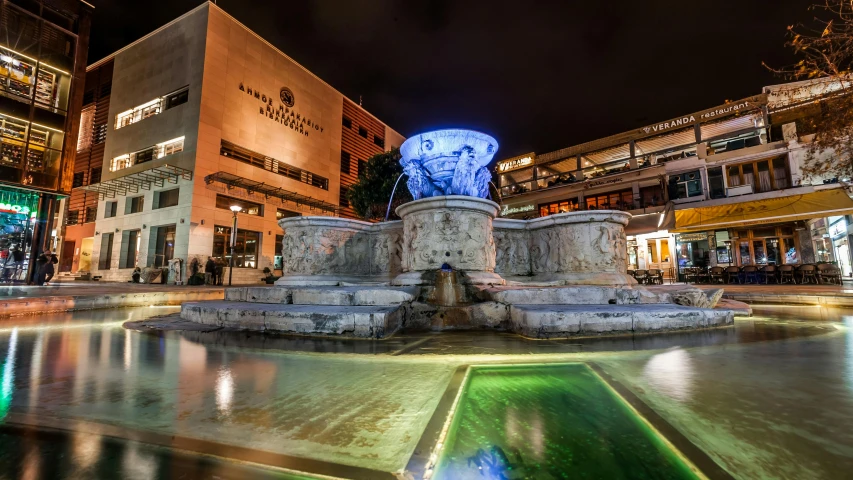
{"points": [[439, 151]]}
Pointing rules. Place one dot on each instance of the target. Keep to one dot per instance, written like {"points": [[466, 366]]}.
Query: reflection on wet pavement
{"points": [[769, 397]]}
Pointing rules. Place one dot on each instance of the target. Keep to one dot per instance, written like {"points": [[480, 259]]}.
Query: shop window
{"points": [[246, 247], [165, 198], [129, 252], [362, 131], [379, 141], [164, 245], [133, 204], [95, 175], [73, 217], [790, 250], [685, 185], [110, 209], [249, 208], [78, 179], [105, 261], [174, 99], [346, 122], [279, 214], [345, 162]]}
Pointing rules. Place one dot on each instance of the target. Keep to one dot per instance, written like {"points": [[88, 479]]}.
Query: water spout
{"points": [[390, 200]]}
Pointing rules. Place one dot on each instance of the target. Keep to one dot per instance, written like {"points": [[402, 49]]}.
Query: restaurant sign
{"points": [[516, 163], [726, 110], [601, 183], [512, 210], [283, 111]]}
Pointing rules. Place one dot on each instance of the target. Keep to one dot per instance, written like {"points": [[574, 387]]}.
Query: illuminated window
{"points": [[152, 108], [87, 124], [147, 154], [248, 208]]}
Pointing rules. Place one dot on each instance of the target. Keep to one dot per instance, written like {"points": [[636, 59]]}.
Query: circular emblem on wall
{"points": [[287, 97]]}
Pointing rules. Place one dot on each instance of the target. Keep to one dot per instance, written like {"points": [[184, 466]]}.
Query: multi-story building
{"points": [[723, 186], [43, 50], [194, 118]]}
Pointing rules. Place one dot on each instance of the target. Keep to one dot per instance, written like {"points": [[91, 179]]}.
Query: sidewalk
{"points": [[828, 295]]}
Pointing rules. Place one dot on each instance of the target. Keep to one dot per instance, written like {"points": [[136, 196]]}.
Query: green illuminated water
{"points": [[550, 422]]}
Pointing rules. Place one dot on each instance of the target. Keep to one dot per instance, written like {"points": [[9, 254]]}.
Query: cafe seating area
{"points": [[815, 274]]}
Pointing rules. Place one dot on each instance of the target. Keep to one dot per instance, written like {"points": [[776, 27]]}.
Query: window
{"points": [[110, 209], [764, 175], [106, 259], [685, 185], [623, 200], [133, 204], [95, 175], [228, 149], [147, 154], [379, 141], [558, 207], [249, 208], [362, 131], [278, 264], [246, 247], [73, 217], [165, 198], [345, 162], [129, 249], [78, 180], [716, 183], [87, 123], [362, 167], [346, 122], [177, 98], [279, 214], [164, 245], [344, 201], [91, 214]]}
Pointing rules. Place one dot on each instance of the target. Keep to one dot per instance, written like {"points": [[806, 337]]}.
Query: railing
{"points": [[228, 149]]}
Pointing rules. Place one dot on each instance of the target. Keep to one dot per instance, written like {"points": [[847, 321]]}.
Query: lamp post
{"points": [[235, 209]]}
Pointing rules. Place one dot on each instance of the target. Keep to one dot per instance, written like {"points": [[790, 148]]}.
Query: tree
{"points": [[370, 195], [825, 48]]}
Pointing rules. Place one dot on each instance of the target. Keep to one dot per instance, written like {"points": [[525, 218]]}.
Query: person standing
{"points": [[210, 268], [41, 262], [49, 267]]}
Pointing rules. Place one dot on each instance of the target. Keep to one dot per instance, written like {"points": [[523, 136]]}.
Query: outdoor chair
{"points": [[767, 273], [808, 274], [829, 273], [655, 276], [717, 275], [750, 274], [641, 276], [786, 274], [732, 274]]}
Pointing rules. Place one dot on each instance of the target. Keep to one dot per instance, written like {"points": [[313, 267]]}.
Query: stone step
{"points": [[548, 321], [351, 321], [570, 295], [357, 296]]}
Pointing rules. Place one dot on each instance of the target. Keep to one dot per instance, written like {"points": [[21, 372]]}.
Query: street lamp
{"points": [[235, 209]]}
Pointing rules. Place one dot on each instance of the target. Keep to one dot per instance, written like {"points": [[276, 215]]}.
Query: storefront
{"points": [[17, 221], [692, 250], [840, 244], [766, 245]]}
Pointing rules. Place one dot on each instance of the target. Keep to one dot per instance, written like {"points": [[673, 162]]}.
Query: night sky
{"points": [[537, 75]]}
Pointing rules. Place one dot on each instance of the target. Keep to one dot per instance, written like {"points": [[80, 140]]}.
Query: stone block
{"points": [[384, 296], [236, 294], [323, 296], [268, 295]]}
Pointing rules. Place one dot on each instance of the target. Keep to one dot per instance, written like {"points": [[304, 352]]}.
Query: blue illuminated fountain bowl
{"points": [[439, 151]]}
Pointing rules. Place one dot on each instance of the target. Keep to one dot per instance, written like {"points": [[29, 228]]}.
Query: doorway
{"points": [[67, 256], [658, 255], [86, 248]]}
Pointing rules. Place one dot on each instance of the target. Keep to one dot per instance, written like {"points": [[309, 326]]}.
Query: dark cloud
{"points": [[539, 75]]}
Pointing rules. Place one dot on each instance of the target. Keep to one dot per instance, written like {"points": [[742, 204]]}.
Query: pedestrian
{"points": [[210, 268], [41, 262], [219, 268], [49, 267]]}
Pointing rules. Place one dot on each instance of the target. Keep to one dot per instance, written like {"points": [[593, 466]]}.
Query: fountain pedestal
{"points": [[452, 230]]}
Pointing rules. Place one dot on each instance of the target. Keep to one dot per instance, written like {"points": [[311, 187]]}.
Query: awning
{"points": [[252, 186], [805, 206], [646, 223], [132, 182]]}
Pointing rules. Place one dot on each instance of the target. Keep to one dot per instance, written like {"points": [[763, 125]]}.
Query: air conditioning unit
{"points": [[739, 190]]}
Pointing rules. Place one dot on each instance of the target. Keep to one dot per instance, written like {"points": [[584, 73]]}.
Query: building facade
{"points": [[196, 117], [723, 186], [43, 50]]}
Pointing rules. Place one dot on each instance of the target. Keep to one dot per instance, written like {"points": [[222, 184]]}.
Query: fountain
{"points": [[449, 263]]}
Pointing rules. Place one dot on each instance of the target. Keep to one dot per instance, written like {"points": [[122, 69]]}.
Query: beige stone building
{"points": [[203, 114]]}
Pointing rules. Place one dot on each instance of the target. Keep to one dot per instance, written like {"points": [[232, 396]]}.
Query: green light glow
{"points": [[551, 421]]}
